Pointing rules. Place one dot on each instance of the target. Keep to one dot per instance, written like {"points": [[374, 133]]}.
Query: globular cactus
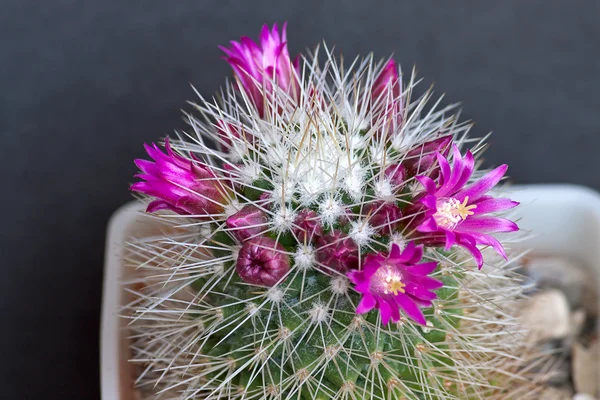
{"points": [[324, 238]]}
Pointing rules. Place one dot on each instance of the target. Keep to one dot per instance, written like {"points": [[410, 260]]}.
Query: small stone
{"points": [[573, 279], [554, 394], [546, 314], [578, 319], [585, 368], [583, 396]]}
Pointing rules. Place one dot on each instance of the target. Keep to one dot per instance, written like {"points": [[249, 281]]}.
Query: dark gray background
{"points": [[84, 83]]}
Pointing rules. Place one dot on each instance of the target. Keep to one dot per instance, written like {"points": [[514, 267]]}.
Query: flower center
{"points": [[450, 212], [388, 280]]}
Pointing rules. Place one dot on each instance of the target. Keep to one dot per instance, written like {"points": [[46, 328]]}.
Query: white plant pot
{"points": [[564, 218]]}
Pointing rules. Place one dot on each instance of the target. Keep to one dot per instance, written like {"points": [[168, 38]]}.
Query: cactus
{"points": [[324, 237]]}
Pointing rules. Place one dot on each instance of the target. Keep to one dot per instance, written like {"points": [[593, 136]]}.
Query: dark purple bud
{"points": [[387, 103], [262, 261], [265, 201], [396, 174], [384, 217], [231, 171], [229, 134], [422, 158], [307, 226], [336, 251], [250, 221]]}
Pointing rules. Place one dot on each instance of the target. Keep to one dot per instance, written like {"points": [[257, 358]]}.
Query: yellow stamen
{"points": [[396, 287], [464, 210]]}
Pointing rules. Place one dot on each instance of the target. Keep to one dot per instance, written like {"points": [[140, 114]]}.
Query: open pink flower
{"points": [[259, 66], [387, 105], [458, 213], [181, 185], [396, 281]]}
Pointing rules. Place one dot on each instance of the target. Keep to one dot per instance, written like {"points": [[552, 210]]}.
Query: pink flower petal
{"points": [[482, 186], [410, 308], [487, 224], [367, 303]]}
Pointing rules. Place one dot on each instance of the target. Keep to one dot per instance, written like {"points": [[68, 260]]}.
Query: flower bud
{"points": [[396, 174], [384, 217], [260, 66], [387, 104], [307, 226], [181, 185], [421, 159], [336, 251], [262, 261], [250, 221]]}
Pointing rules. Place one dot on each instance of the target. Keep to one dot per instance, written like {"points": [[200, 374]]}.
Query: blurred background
{"points": [[84, 83]]}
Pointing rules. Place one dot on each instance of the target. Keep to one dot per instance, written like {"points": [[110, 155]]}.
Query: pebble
{"points": [[547, 316], [585, 368], [573, 279], [554, 394], [583, 396]]}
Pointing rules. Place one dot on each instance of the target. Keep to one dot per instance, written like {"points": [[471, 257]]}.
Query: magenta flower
{"points": [[384, 217], [181, 185], [396, 281], [337, 252], [262, 261], [307, 226], [250, 221], [386, 100], [259, 67], [457, 213], [421, 160]]}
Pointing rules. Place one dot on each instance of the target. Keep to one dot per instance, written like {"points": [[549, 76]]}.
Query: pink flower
{"points": [[250, 221], [307, 226], [387, 105], [337, 252], [421, 160], [259, 67], [262, 261], [396, 281], [457, 213], [181, 185]]}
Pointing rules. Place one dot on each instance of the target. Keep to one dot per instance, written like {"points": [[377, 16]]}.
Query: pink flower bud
{"points": [[262, 261], [396, 174], [182, 185], [387, 105], [250, 221], [266, 200], [259, 67], [421, 159], [307, 226], [336, 251], [230, 134], [384, 217]]}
